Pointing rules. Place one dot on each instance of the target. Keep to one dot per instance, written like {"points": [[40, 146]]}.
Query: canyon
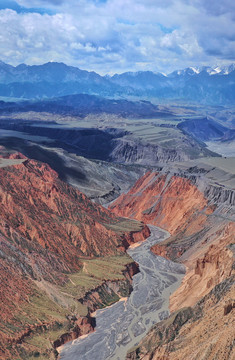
{"points": [[72, 270], [199, 214], [123, 324], [117, 180], [50, 232]]}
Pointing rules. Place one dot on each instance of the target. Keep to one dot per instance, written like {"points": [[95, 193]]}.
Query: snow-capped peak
{"points": [[187, 71], [224, 70], [214, 71], [195, 70]]}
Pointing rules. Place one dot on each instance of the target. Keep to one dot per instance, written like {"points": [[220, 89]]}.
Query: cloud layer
{"points": [[110, 36]]}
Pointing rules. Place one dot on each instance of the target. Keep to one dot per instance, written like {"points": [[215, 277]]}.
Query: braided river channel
{"points": [[122, 325]]}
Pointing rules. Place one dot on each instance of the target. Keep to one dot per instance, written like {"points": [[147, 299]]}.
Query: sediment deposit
{"points": [[64, 257], [123, 324], [48, 229], [199, 213]]}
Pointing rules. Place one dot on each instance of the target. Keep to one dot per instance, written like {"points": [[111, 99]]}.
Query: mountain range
{"points": [[83, 104], [117, 214], [206, 85]]}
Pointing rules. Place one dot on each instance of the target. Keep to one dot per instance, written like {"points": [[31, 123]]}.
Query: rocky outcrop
{"points": [[230, 305], [103, 141], [214, 192], [183, 205], [47, 228], [110, 291], [130, 151], [205, 331], [219, 195], [104, 295], [37, 206], [167, 201], [201, 228], [81, 326], [209, 262], [135, 236], [200, 217]]}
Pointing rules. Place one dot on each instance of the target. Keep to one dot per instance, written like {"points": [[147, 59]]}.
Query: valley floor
{"points": [[124, 324]]}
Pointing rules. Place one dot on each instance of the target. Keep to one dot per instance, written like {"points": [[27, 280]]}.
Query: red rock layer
{"points": [[208, 265], [205, 331], [203, 239], [82, 326], [38, 207], [46, 227], [198, 235], [168, 203]]}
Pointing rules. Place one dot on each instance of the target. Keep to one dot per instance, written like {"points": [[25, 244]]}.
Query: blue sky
{"points": [[110, 36], [13, 5]]}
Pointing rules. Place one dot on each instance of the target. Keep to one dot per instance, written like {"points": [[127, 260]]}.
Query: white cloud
{"points": [[121, 35]]}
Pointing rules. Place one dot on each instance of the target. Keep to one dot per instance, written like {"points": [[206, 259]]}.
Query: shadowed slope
{"points": [[47, 230]]}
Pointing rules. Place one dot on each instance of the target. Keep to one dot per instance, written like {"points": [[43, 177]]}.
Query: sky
{"points": [[114, 36]]}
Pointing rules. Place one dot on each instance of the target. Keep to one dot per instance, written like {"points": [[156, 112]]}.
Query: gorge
{"points": [[187, 201], [117, 180], [72, 278], [122, 325]]}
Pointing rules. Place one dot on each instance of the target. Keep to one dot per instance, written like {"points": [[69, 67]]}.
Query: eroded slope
{"points": [[49, 232], [205, 331], [199, 213]]}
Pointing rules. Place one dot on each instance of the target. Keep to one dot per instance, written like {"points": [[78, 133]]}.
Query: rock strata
{"points": [[47, 230], [200, 217], [204, 331]]}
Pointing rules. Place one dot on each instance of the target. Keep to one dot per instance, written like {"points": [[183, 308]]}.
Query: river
{"points": [[122, 325]]}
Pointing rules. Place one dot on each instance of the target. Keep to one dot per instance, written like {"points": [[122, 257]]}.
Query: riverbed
{"points": [[122, 325]]}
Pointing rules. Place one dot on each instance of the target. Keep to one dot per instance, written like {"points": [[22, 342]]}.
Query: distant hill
{"points": [[205, 129], [83, 104], [204, 85]]}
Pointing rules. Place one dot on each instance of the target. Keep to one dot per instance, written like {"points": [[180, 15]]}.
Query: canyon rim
{"points": [[117, 180]]}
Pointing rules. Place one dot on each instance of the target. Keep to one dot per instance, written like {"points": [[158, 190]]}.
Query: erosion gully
{"points": [[122, 325]]}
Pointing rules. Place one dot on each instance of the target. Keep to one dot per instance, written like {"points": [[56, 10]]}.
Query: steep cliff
{"points": [[132, 151], [165, 200], [205, 331], [200, 215], [108, 138], [48, 230], [187, 203], [209, 262], [45, 211]]}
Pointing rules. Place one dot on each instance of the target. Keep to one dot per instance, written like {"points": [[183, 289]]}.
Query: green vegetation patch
{"points": [[49, 315], [125, 225], [94, 272]]}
